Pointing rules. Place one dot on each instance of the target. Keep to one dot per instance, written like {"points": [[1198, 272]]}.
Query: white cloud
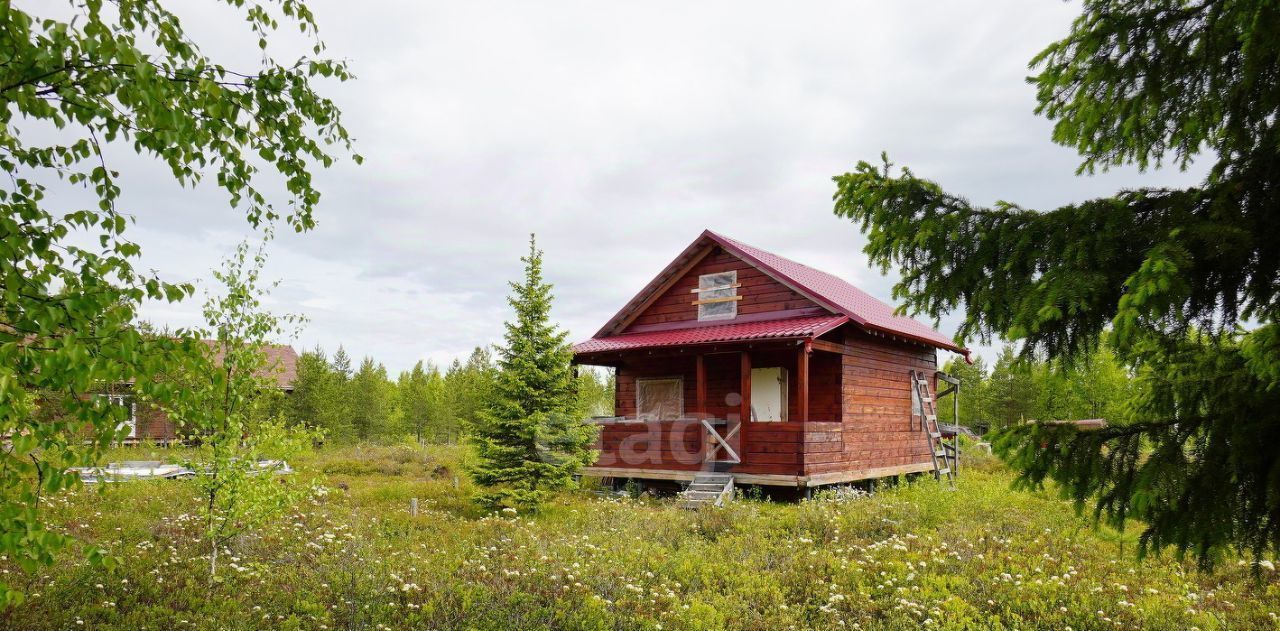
{"points": [[617, 133]]}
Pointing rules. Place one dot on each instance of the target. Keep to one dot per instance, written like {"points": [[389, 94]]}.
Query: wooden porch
{"points": [[720, 430]]}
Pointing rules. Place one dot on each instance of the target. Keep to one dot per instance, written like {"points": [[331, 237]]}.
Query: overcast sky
{"points": [[617, 132]]}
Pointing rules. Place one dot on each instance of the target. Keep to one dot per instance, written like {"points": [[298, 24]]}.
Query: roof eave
{"points": [[653, 286], [815, 333], [757, 340], [922, 340]]}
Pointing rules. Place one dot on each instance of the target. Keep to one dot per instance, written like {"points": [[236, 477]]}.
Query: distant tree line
{"points": [[427, 403], [1017, 389]]}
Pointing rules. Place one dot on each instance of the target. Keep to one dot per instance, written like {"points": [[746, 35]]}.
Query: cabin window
{"points": [[659, 399], [126, 401], [717, 296], [769, 395]]}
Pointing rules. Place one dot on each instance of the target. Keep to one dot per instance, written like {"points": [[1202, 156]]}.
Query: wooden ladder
{"points": [[944, 455], [707, 489]]}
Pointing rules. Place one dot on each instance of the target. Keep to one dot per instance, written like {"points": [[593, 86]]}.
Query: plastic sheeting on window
{"points": [[659, 399], [718, 285]]}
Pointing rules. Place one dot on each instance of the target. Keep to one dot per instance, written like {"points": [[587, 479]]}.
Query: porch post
{"points": [[700, 378], [802, 379], [746, 386]]}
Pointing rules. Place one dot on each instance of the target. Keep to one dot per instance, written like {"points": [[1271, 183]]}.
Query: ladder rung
{"points": [[935, 434], [944, 471], [940, 454]]}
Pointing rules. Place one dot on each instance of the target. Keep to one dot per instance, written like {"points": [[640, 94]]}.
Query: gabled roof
{"points": [[811, 326], [836, 295], [281, 363]]}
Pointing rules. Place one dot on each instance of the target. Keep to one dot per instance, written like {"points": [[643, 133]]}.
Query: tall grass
{"points": [[353, 557]]}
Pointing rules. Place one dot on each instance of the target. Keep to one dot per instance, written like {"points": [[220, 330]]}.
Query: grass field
{"points": [[984, 557]]}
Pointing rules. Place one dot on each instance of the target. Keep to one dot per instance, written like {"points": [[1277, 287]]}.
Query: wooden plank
{"points": [[744, 379], [698, 290], [761, 478], [707, 301], [775, 448], [832, 347], [775, 458], [670, 304], [700, 372], [841, 477], [754, 317], [823, 426], [802, 380]]}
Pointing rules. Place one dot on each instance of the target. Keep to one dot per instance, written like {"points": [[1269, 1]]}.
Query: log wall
{"points": [[859, 412], [877, 427], [760, 294]]}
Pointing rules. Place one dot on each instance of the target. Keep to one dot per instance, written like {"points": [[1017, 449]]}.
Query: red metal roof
{"points": [[837, 294], [281, 363], [833, 293], [811, 326]]}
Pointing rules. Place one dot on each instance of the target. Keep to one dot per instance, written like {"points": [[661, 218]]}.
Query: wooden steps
{"points": [[708, 488]]}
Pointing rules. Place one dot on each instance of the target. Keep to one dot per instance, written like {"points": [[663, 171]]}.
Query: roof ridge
{"points": [[772, 253]]}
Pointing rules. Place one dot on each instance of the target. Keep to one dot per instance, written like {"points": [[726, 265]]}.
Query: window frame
{"points": [[679, 381], [121, 399], [785, 403], [731, 287]]}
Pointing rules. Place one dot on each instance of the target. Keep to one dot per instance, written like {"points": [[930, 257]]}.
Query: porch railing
{"points": [[719, 447], [722, 442]]}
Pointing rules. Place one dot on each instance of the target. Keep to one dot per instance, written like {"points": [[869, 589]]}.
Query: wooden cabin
{"points": [[737, 360], [147, 423]]}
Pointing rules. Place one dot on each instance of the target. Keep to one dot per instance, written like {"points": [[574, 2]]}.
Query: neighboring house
{"points": [[148, 423], [735, 359]]}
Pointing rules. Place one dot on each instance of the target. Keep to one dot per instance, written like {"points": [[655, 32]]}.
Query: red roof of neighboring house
{"points": [[282, 360], [811, 326], [282, 363], [833, 293]]}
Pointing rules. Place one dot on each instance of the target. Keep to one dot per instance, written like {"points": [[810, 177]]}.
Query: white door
{"points": [[769, 395]]}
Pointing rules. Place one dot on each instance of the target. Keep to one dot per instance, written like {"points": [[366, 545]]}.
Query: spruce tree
{"points": [[467, 387], [342, 364], [1011, 389], [372, 401], [975, 409], [1182, 283], [421, 392], [311, 389], [530, 438]]}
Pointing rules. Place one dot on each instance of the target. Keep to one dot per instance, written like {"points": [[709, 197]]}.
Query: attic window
{"points": [[717, 296]]}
